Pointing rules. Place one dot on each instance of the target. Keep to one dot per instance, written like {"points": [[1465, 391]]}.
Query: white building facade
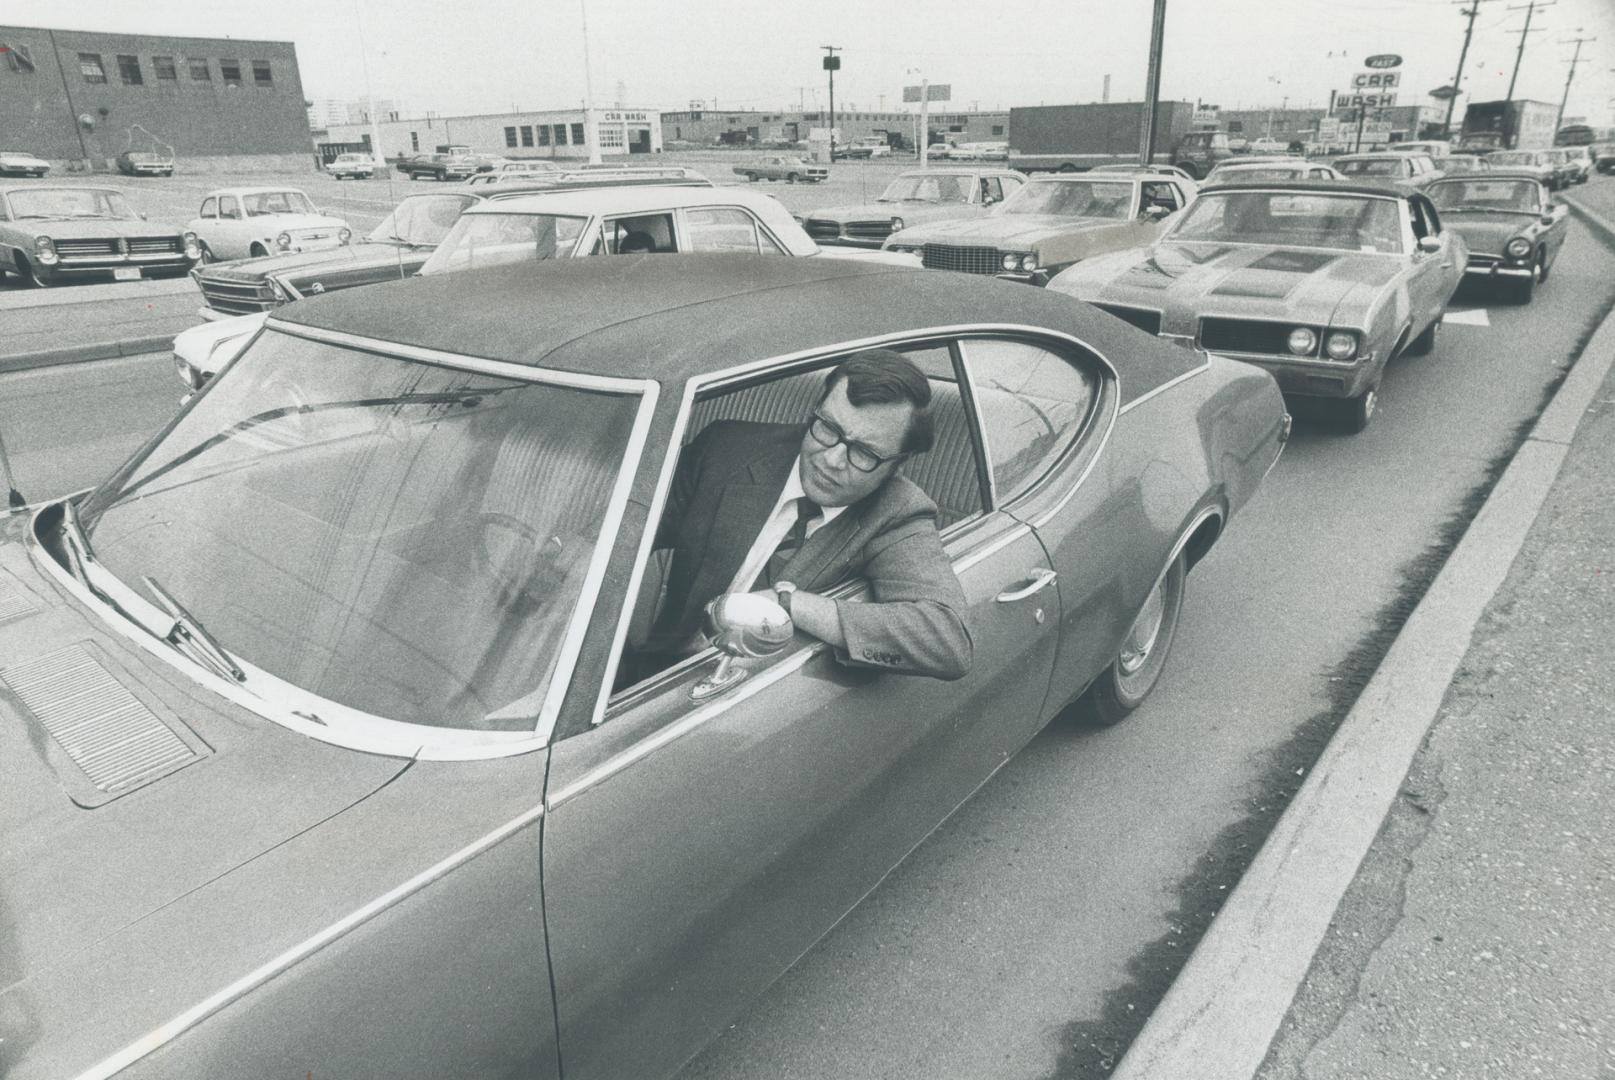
{"points": [[557, 134]]}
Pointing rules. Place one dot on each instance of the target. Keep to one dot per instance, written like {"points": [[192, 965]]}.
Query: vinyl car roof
{"points": [[674, 317], [251, 191], [10, 189], [1489, 175], [1324, 186]]}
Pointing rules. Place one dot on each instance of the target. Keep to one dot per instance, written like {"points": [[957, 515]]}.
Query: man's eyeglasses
{"points": [[826, 433]]}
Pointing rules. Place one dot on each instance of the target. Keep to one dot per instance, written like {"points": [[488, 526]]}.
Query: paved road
{"points": [[1034, 930]]}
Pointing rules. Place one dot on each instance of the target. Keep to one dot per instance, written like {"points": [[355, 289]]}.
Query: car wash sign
{"points": [[1374, 88]]}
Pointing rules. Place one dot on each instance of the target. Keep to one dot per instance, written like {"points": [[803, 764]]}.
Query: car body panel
{"points": [[690, 851]]}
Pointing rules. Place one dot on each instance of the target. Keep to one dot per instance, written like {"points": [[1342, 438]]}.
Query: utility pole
{"points": [[831, 63], [1557, 124], [1152, 85], [1458, 77], [1530, 9], [591, 137]]}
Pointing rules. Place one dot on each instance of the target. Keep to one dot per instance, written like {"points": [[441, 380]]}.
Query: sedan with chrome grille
{"points": [[51, 235], [333, 737], [1321, 282], [241, 223], [1049, 224], [1510, 223], [917, 197]]}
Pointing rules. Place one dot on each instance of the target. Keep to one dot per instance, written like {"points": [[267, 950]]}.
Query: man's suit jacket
{"points": [[727, 483]]}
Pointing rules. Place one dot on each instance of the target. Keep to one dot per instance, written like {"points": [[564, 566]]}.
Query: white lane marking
{"points": [[1472, 317]]}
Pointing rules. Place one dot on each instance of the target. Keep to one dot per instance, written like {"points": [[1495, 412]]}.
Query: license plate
{"points": [[126, 273]]}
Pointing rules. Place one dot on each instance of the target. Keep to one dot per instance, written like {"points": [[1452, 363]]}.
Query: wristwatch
{"points": [[783, 590]]}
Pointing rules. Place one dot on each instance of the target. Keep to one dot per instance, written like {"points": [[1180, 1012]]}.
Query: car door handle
{"points": [[1040, 580]]}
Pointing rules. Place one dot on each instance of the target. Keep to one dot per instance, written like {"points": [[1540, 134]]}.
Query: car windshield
{"points": [[492, 239], [1293, 218], [403, 539], [142, 156], [1373, 167], [923, 188], [1514, 195], [1515, 157], [1072, 198], [261, 203], [1269, 172], [421, 219], [50, 203]]}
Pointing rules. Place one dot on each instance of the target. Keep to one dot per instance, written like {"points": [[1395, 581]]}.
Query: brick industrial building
{"points": [[79, 98]]}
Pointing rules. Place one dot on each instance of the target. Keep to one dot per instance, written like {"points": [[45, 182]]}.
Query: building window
{"points": [[18, 58], [230, 72], [261, 74], [560, 134], [415, 141], [129, 70], [577, 134], [527, 135], [510, 136], [90, 65], [543, 134], [998, 129], [199, 69], [611, 136], [163, 68]]}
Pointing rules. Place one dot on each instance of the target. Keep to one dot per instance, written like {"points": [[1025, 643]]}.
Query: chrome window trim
{"points": [[415, 740], [258, 976], [981, 428]]}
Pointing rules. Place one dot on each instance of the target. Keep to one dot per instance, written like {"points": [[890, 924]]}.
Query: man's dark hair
{"points": [[885, 377]]}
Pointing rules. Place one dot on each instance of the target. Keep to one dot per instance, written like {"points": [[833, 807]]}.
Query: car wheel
{"points": [[257, 251], [1129, 678], [1421, 345], [30, 276], [751, 178], [790, 178], [1542, 266], [207, 252], [1355, 413], [1068, 167]]}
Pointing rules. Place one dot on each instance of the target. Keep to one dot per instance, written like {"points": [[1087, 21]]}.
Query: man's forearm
{"points": [[818, 616]]}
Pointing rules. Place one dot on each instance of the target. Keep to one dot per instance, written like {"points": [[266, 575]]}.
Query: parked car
{"points": [[1459, 164], [1154, 167], [1198, 152], [22, 163], [351, 167], [360, 716], [1577, 162], [1237, 171], [1510, 224], [1054, 220], [570, 223], [677, 175], [1438, 149], [238, 223], [437, 166], [144, 163], [914, 197], [52, 235], [1604, 157], [1391, 169], [789, 169], [1536, 162], [1321, 282], [1266, 145]]}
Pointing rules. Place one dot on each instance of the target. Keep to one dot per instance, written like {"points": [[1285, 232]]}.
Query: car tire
{"points": [[257, 251], [1542, 266], [751, 178], [1525, 288], [1128, 679], [1425, 342], [30, 276], [1355, 413], [790, 178], [207, 252]]}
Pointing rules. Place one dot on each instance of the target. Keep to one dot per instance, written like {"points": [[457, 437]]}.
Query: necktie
{"points": [[807, 512]]}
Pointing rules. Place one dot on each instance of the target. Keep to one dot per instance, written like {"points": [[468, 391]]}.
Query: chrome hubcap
{"points": [[1370, 399], [1141, 638]]}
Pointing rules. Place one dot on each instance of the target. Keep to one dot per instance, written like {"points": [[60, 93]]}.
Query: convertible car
{"points": [[1050, 223], [1321, 282], [320, 757], [1510, 224]]}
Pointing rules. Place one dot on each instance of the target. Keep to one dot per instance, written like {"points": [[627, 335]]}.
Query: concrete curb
{"points": [[1221, 1013], [78, 354]]}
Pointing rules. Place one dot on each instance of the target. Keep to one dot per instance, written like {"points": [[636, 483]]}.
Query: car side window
{"points": [[644, 233], [991, 190], [1010, 184], [1163, 195], [1033, 403], [726, 229], [210, 207], [1432, 218], [228, 208], [1420, 213]]}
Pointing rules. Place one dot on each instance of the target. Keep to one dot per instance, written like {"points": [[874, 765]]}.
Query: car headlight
{"points": [[1028, 262], [284, 241], [278, 291], [897, 223], [1010, 261], [344, 235], [193, 250], [45, 250], [1302, 341], [187, 374], [1518, 248], [1341, 345]]}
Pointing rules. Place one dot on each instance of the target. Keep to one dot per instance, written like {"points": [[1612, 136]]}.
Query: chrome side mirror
{"points": [[1429, 245], [741, 625]]}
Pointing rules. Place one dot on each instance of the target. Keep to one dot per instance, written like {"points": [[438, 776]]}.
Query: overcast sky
{"points": [[465, 56]]}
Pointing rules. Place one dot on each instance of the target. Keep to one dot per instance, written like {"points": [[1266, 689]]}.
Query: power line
{"points": [[1520, 55]]}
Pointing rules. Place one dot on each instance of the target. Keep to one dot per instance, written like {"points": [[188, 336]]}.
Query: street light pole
{"points": [[591, 137], [1458, 77], [1557, 124], [1152, 85], [831, 63]]}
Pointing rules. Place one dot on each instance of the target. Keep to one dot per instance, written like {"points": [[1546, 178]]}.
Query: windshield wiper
{"points": [[77, 547], [187, 631]]}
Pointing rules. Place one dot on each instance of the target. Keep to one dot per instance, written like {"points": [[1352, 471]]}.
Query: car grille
{"points": [[1249, 336], [80, 249], [968, 260], [1477, 258], [1146, 320], [820, 229], [313, 234], [156, 245], [236, 297], [869, 230]]}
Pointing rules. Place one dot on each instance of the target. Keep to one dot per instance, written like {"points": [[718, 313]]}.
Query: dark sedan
{"points": [[1509, 222], [144, 163], [52, 235], [322, 754]]}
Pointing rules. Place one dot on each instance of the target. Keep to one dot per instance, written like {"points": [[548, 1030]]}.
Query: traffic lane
{"points": [[69, 427], [1032, 933]]}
